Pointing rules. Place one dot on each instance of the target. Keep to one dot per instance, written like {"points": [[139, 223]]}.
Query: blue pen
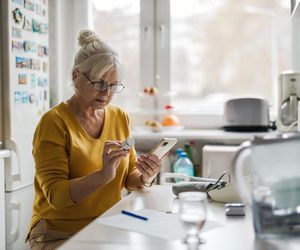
{"points": [[134, 215]]}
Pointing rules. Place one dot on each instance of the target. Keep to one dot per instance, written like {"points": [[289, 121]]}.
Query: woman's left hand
{"points": [[149, 165]]}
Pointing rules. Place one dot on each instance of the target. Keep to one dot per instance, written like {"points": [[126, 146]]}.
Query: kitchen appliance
{"points": [[288, 98], [275, 189], [24, 89], [246, 114], [216, 159]]}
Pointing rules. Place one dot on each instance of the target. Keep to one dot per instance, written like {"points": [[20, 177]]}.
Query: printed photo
{"points": [[35, 64], [17, 97], [16, 32], [22, 78], [28, 4], [22, 62], [21, 2], [29, 46], [16, 46]]}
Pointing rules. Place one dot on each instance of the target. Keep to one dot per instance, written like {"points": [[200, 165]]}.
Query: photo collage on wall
{"points": [[29, 47]]}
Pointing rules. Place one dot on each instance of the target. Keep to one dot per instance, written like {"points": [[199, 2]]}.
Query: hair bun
{"points": [[87, 36]]}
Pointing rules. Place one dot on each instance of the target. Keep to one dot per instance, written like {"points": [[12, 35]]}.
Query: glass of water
{"points": [[192, 212]]}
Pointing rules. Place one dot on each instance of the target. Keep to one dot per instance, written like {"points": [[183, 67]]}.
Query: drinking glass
{"points": [[192, 211]]}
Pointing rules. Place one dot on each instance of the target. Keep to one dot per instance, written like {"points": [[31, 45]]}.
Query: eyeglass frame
{"points": [[104, 86]]}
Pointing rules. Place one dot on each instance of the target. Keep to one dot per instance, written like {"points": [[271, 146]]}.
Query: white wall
{"points": [[295, 22], [66, 18]]}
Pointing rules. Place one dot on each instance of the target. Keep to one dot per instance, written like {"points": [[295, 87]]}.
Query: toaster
{"points": [[246, 114]]}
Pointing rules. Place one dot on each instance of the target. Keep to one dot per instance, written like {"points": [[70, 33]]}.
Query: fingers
{"points": [[117, 153], [145, 170], [148, 165], [110, 145], [151, 160], [113, 152]]}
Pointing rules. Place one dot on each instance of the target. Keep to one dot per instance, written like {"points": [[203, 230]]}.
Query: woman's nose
{"points": [[106, 90]]}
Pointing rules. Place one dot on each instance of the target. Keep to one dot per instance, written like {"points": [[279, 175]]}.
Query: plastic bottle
{"points": [[177, 156], [184, 165]]}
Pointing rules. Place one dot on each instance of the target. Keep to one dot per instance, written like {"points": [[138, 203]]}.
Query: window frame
{"points": [[155, 66]]}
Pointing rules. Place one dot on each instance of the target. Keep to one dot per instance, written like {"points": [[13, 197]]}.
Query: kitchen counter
{"points": [[216, 135], [236, 232]]}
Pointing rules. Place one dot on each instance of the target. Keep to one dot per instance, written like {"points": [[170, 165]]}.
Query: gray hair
{"points": [[95, 56]]}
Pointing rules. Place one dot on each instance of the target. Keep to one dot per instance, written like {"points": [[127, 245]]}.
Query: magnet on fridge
{"points": [[42, 82], [17, 97], [22, 78], [22, 62], [40, 50], [35, 26], [31, 98], [28, 4], [45, 67], [43, 28], [16, 32], [16, 46], [17, 15], [39, 9], [29, 46], [35, 64], [24, 97], [20, 2], [33, 81], [27, 25], [40, 95], [45, 50]]}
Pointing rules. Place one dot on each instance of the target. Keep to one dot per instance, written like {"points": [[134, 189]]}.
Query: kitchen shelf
{"points": [[216, 135], [152, 111]]}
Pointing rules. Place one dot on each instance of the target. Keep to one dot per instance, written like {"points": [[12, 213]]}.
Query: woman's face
{"points": [[91, 97]]}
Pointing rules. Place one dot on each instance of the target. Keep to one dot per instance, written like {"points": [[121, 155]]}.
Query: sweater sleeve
{"points": [[50, 152]]}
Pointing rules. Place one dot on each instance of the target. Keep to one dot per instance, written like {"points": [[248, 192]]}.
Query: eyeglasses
{"points": [[102, 85]]}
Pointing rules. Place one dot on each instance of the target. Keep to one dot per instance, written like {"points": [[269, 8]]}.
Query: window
{"points": [[118, 22], [222, 49], [197, 52]]}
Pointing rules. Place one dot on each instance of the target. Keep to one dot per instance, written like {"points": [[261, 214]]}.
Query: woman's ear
{"points": [[75, 73]]}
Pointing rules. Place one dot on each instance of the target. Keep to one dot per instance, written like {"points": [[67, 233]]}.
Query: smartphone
{"points": [[163, 147]]}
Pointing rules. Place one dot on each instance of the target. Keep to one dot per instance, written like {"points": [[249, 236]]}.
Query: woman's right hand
{"points": [[112, 154]]}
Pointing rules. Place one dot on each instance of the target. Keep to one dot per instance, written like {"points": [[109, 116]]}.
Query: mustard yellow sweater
{"points": [[62, 151]]}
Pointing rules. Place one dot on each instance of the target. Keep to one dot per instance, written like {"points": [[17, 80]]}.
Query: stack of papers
{"points": [[159, 224]]}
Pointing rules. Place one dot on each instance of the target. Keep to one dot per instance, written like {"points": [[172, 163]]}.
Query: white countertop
{"points": [[216, 135], [237, 232]]}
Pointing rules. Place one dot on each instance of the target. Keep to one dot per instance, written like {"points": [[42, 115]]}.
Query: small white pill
{"points": [[128, 143]]}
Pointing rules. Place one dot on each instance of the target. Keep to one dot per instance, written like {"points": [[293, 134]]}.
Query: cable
{"points": [[290, 126]]}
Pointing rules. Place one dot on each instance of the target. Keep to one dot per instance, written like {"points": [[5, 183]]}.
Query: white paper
{"points": [[159, 224]]}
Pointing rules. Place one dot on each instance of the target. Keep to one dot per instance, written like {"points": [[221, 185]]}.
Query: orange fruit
{"points": [[170, 120]]}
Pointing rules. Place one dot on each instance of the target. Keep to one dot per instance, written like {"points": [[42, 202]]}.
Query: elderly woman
{"points": [[81, 167]]}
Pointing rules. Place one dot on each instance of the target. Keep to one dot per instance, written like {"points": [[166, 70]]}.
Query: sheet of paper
{"points": [[159, 224]]}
